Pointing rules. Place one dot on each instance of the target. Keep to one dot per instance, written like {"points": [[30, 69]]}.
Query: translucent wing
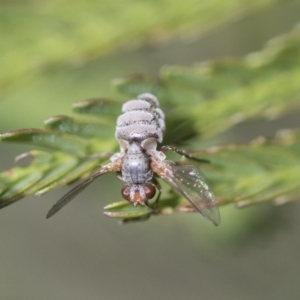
{"points": [[79, 188], [189, 181]]}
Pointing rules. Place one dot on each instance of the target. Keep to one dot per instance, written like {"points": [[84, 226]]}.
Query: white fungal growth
{"points": [[141, 119]]}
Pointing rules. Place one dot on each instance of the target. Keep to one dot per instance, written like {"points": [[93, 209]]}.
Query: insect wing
{"points": [[190, 182], [76, 190]]}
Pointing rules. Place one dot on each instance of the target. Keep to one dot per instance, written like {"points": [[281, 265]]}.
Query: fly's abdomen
{"points": [[141, 119]]}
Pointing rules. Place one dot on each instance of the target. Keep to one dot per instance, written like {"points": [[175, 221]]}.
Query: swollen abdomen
{"points": [[141, 119]]}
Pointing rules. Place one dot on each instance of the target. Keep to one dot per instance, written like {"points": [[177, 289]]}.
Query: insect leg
{"points": [[183, 153], [159, 188]]}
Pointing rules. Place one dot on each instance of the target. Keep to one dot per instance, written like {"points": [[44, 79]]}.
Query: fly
{"points": [[139, 129]]}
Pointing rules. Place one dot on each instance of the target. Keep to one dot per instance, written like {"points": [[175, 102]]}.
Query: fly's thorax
{"points": [[136, 165]]}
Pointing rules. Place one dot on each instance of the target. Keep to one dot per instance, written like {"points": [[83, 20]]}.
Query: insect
{"points": [[139, 129]]}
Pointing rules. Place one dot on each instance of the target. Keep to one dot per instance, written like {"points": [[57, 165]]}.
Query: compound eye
{"points": [[125, 192], [149, 191], [144, 193]]}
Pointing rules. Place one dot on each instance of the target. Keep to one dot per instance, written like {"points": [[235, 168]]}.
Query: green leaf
{"points": [[99, 107], [125, 210], [215, 95], [81, 127], [259, 172], [38, 35], [46, 138], [47, 171]]}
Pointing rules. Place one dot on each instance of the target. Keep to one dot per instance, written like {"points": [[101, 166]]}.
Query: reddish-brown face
{"points": [[140, 194]]}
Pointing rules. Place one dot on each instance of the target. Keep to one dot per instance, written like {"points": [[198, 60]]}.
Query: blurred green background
{"points": [[54, 53]]}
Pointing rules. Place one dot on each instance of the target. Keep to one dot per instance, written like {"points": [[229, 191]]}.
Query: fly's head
{"points": [[138, 194]]}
